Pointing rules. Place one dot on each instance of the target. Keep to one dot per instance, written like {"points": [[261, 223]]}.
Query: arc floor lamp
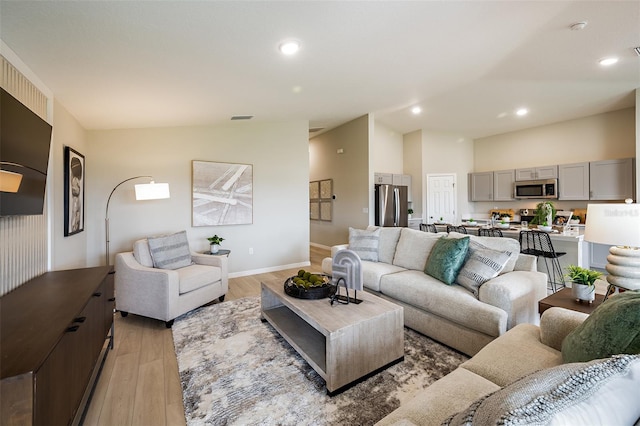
{"points": [[144, 191]]}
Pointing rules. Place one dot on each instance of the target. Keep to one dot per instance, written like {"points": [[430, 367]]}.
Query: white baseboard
{"points": [[270, 269], [320, 246]]}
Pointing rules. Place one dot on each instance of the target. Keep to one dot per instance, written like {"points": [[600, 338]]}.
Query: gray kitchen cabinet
{"points": [[383, 178], [531, 173], [481, 186], [611, 179], [503, 185], [573, 181]]}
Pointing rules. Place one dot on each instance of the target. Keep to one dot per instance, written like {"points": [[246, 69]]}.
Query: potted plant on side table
{"points": [[215, 243], [583, 282]]}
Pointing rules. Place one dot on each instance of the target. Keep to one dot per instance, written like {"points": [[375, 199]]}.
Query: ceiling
{"points": [[468, 64]]}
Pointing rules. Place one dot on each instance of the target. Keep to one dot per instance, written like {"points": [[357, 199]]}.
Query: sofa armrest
{"points": [[142, 290], [517, 293], [526, 262], [556, 323], [337, 248]]}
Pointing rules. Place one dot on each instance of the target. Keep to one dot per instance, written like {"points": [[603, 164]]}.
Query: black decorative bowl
{"points": [[320, 292]]}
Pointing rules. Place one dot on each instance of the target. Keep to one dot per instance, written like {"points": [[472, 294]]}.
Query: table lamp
{"points": [[617, 225]]}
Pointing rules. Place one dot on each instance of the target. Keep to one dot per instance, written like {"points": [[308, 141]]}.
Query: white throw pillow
{"points": [[481, 265], [170, 251], [365, 243]]}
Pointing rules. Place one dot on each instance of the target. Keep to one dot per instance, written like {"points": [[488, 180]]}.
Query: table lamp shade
{"points": [[613, 224], [152, 191], [617, 225]]}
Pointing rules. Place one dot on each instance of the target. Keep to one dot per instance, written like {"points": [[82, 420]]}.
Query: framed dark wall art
{"points": [[222, 193], [74, 173]]}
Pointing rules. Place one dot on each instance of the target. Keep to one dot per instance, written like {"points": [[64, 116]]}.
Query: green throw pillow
{"points": [[446, 258], [613, 328]]}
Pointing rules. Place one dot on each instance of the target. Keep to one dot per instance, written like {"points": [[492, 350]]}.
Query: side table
{"points": [[221, 252], [564, 299]]}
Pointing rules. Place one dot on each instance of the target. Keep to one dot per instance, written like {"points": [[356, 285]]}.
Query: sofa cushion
{"points": [[372, 273], [446, 258], [517, 353], [170, 251], [389, 237], [142, 254], [364, 243], [194, 277], [443, 398], [481, 265], [613, 328], [509, 245], [454, 303], [414, 248], [603, 391]]}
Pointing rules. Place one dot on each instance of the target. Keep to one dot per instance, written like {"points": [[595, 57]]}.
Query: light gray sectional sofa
{"points": [[452, 314], [520, 378]]}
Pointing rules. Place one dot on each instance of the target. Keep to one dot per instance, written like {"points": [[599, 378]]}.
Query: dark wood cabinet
{"points": [[52, 332]]}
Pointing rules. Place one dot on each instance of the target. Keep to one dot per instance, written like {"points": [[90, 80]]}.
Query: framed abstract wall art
{"points": [[73, 191], [222, 193]]}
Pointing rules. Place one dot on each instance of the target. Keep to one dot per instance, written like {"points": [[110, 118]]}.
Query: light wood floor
{"points": [[139, 384]]}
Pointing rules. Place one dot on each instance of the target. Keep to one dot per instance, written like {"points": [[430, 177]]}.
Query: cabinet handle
{"points": [[73, 328], [111, 272], [97, 294], [80, 319], [112, 299]]}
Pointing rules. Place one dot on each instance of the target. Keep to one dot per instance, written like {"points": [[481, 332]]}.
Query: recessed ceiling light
{"points": [[289, 47], [522, 111], [416, 110], [578, 26], [608, 61]]}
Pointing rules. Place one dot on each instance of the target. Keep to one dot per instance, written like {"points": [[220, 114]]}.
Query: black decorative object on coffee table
{"points": [[318, 291]]}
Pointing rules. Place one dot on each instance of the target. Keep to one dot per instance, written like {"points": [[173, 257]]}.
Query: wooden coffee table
{"points": [[564, 299], [342, 343]]}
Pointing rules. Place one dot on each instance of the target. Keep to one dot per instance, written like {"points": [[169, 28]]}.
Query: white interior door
{"points": [[441, 197]]}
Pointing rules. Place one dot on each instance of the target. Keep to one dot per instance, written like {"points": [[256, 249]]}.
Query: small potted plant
{"points": [[410, 212], [583, 282], [215, 243], [471, 222], [575, 220]]}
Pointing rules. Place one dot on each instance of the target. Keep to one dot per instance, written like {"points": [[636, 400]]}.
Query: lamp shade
{"points": [[613, 224], [152, 191], [10, 181]]}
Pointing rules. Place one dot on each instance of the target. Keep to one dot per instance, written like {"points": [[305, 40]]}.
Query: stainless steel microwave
{"points": [[547, 188]]}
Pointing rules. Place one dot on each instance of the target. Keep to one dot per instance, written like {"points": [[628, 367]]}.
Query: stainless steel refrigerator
{"points": [[391, 205]]}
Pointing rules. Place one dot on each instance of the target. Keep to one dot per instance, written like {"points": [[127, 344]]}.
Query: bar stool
{"points": [[538, 243], [428, 227], [460, 229], [491, 232]]}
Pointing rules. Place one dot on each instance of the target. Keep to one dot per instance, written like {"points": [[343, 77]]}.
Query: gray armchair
{"points": [[165, 294]]}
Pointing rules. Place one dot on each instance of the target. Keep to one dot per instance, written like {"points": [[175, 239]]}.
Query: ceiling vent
{"points": [[242, 117], [637, 50]]}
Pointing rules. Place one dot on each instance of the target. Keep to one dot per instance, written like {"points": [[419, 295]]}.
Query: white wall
{"points": [[412, 149], [278, 152], [444, 152], [66, 252], [386, 150], [599, 137]]}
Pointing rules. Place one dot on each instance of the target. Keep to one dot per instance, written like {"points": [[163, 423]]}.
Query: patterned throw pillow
{"points": [[365, 243], [170, 251], [446, 258], [600, 392], [613, 328], [481, 265]]}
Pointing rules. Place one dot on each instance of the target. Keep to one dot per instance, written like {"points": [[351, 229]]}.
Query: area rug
{"points": [[237, 370]]}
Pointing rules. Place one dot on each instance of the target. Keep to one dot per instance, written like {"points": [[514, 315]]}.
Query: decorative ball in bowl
{"points": [[503, 225], [574, 221], [472, 223], [545, 228]]}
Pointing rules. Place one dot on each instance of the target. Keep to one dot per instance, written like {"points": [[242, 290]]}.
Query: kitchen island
{"points": [[577, 250]]}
